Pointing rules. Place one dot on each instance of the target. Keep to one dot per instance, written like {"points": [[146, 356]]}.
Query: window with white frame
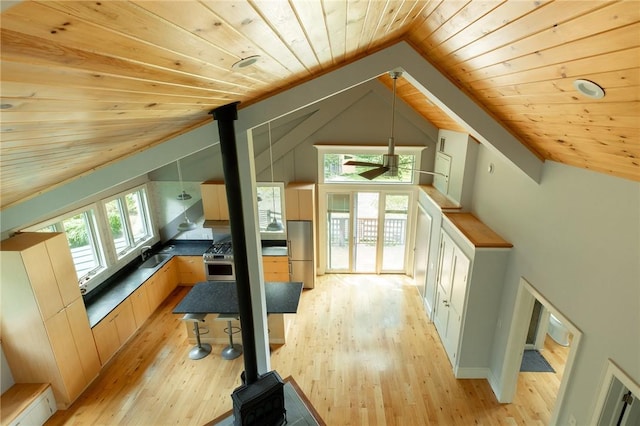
{"points": [[84, 241], [332, 168], [103, 237], [129, 223]]}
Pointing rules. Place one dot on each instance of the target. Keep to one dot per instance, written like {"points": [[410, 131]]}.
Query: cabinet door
{"points": [[154, 292], [85, 345], [66, 355], [306, 204], [214, 201], [291, 204], [106, 337], [140, 305], [125, 321], [459, 279], [168, 278], [190, 269], [43, 281], [63, 268]]}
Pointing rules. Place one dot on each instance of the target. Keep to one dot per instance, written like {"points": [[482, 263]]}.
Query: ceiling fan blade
{"points": [[361, 163], [424, 172], [374, 173]]}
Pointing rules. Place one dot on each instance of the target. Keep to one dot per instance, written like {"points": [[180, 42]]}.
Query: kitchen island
{"points": [[221, 297]]}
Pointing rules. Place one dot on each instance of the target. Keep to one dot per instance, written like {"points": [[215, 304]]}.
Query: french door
{"points": [[367, 231]]}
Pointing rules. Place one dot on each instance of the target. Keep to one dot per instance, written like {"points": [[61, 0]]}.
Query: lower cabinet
{"points": [[275, 268], [190, 269], [114, 330], [140, 304]]}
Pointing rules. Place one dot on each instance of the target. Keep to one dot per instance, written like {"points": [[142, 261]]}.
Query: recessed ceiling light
{"points": [[245, 62], [589, 89]]}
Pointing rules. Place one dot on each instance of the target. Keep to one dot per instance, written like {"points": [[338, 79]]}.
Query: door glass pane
{"points": [[395, 232], [338, 219], [366, 231]]}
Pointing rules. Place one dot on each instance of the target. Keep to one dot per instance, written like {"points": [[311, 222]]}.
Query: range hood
{"points": [[217, 224]]}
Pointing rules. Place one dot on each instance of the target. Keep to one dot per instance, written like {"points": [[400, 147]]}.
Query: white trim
{"points": [[612, 372], [472, 373], [506, 389]]}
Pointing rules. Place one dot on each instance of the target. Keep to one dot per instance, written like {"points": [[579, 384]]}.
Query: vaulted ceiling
{"points": [[86, 84]]}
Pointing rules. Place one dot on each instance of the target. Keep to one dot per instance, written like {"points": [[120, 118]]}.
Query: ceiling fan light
{"points": [[245, 62], [589, 89]]}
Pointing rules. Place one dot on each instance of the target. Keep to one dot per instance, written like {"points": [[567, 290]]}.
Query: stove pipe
{"points": [[226, 115]]}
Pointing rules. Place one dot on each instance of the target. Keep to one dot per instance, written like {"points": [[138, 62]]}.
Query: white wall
{"points": [[576, 239]]}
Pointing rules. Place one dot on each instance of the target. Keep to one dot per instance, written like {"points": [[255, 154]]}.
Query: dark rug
{"points": [[300, 412], [533, 361]]}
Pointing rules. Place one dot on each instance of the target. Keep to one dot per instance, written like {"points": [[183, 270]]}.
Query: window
{"points": [[102, 240], [332, 168], [82, 235], [271, 210], [128, 219]]}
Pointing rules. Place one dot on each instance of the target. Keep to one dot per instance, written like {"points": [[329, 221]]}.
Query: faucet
{"points": [[143, 251]]}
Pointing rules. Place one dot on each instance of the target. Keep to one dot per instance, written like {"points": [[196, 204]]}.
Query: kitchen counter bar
{"points": [[221, 297], [121, 285]]}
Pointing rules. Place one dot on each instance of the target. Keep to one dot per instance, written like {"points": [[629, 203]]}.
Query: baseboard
{"points": [[472, 373], [494, 382]]}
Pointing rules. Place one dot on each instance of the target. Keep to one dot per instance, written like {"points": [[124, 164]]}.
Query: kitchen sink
{"points": [[154, 260]]}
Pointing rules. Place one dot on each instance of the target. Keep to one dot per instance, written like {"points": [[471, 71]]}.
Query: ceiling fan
{"points": [[390, 160]]}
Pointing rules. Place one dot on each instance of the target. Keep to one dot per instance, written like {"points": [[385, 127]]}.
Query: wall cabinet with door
{"points": [[300, 201], [471, 265], [45, 328], [214, 200]]}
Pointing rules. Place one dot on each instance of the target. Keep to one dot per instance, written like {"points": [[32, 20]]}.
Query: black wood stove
{"points": [[260, 399]]}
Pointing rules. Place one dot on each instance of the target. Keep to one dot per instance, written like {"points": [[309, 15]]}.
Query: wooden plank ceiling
{"points": [[84, 84]]}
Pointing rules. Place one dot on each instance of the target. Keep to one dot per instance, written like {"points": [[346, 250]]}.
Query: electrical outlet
{"points": [[572, 420]]}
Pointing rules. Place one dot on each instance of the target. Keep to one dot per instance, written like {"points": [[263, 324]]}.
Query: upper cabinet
{"points": [[456, 157], [45, 328], [214, 200], [300, 201]]}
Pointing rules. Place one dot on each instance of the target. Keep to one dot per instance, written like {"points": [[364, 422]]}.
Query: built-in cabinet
{"points": [[300, 201], [275, 268], [471, 264], [214, 200], [45, 328], [114, 330], [190, 269]]}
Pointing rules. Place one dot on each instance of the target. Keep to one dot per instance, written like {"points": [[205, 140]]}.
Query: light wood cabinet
{"points": [[471, 266], [275, 268], [45, 328], [140, 304], [300, 201], [168, 278], [114, 330], [214, 200], [190, 269]]}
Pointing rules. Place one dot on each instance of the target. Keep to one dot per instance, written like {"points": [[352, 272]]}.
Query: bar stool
{"points": [[234, 350], [200, 350]]}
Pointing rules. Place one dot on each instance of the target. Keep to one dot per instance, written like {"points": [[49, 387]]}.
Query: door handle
{"points": [[446, 303]]}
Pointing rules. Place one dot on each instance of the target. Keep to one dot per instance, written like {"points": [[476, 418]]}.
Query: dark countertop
{"points": [[221, 297], [122, 284], [116, 289]]}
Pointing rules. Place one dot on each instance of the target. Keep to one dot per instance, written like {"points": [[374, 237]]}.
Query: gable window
{"points": [[332, 168]]}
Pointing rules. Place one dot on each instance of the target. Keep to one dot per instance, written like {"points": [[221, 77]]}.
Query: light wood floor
{"points": [[361, 348]]}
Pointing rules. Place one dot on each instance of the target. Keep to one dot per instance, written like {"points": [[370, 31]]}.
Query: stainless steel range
{"points": [[218, 262]]}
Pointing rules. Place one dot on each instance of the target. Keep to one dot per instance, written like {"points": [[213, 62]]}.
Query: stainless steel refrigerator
{"points": [[301, 251]]}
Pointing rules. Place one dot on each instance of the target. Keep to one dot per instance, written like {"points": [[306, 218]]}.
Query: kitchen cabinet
{"points": [[161, 284], [214, 200], [471, 264], [140, 304], [114, 330], [275, 268], [45, 328], [300, 201], [190, 269]]}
